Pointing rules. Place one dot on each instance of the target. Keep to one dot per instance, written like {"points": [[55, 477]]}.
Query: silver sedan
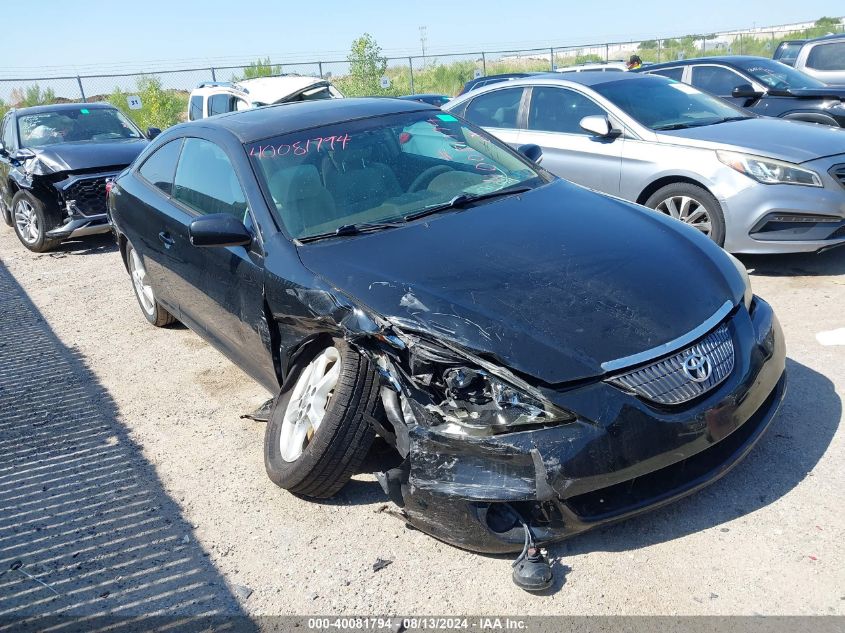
{"points": [[753, 184]]}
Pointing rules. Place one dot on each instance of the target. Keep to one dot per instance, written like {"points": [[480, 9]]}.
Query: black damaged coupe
{"points": [[542, 359]]}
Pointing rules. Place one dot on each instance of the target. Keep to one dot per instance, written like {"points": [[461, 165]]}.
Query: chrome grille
{"points": [[665, 381], [838, 173], [89, 194]]}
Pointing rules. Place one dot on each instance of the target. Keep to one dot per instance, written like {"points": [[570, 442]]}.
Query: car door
{"points": [[498, 112], [221, 288], [149, 219], [569, 151], [720, 81]]}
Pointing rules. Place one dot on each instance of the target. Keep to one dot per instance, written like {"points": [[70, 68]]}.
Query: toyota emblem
{"points": [[697, 367]]}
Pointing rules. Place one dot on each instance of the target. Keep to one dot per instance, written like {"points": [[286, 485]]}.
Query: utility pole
{"points": [[423, 39]]}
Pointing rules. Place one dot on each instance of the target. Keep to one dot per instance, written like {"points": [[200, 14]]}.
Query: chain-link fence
{"points": [[163, 95]]}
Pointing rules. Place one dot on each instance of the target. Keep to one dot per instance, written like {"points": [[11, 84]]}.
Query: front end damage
{"points": [[488, 453], [81, 200]]}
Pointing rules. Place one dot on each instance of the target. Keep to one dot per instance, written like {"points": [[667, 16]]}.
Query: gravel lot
{"points": [[129, 483]]}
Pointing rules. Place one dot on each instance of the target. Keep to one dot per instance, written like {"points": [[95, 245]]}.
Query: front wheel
{"points": [[319, 431], [31, 222], [692, 205]]}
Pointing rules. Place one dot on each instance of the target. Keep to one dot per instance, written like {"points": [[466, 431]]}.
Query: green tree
{"points": [[160, 108], [260, 68], [33, 96], [647, 44], [366, 67], [826, 22]]}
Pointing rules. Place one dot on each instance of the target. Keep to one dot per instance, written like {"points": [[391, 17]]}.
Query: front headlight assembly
{"points": [[478, 403], [769, 171], [746, 280]]}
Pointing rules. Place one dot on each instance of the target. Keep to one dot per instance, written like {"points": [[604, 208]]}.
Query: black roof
{"points": [[829, 36], [63, 107], [258, 123], [596, 77], [731, 60]]}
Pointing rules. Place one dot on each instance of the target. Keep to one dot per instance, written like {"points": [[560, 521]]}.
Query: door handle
{"points": [[168, 241]]}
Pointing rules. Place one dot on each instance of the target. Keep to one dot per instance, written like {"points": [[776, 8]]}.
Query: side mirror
{"points": [[219, 229], [598, 125], [745, 91], [152, 132], [532, 152]]}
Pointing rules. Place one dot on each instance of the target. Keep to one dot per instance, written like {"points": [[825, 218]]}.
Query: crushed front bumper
{"points": [[80, 225], [621, 457]]}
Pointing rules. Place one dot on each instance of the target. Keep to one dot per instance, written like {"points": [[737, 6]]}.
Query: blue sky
{"points": [[115, 35]]}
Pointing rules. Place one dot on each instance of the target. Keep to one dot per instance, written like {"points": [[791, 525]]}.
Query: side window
{"points": [[559, 110], [827, 56], [9, 133], [195, 111], [498, 108], [220, 103], [716, 80], [160, 167], [206, 181], [676, 73]]}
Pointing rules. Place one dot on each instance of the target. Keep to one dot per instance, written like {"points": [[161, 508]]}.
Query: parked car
{"points": [[543, 359], [762, 86], [823, 58], [472, 84], [787, 51], [218, 97], [55, 162], [431, 99], [611, 66], [752, 184]]}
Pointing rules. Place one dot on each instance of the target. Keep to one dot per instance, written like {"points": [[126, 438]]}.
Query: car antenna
{"points": [[531, 570]]}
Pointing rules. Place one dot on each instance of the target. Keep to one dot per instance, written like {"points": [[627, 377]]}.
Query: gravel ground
{"points": [[129, 483]]}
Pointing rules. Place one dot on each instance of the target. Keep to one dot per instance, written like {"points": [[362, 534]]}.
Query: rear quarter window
{"points": [[672, 73], [827, 56], [160, 167]]}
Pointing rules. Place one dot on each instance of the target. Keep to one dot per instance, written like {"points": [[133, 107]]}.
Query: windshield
{"points": [[777, 76], [382, 169], [665, 104], [82, 124]]}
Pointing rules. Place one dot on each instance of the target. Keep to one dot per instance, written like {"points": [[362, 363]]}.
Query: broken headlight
{"points": [[478, 403]]}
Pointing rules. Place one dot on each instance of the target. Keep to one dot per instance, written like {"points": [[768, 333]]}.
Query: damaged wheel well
{"points": [[662, 182]]}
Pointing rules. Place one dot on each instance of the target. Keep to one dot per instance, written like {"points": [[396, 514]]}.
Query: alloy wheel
{"points": [[688, 210], [139, 280], [26, 220], [308, 403]]}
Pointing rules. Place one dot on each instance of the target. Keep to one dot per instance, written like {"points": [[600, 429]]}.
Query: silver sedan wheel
{"points": [[139, 280], [26, 220], [687, 210], [308, 403]]}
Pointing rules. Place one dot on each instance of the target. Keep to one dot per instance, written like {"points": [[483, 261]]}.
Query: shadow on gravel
{"points": [[88, 245], [86, 529], [798, 264], [796, 440]]}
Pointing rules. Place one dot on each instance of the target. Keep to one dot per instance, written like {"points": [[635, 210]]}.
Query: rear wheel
{"points": [[319, 431], [144, 293], [692, 205], [31, 222]]}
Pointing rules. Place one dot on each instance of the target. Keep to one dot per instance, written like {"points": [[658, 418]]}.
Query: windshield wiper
{"points": [[463, 199], [351, 229], [673, 126], [732, 118]]}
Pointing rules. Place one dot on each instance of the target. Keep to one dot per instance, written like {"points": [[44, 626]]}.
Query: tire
{"points": [[670, 200], [144, 293], [31, 223], [329, 455]]}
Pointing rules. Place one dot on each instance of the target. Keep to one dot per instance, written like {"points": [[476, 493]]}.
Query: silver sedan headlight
{"points": [[769, 171]]}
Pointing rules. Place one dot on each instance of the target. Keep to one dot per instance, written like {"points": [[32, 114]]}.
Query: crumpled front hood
{"points": [[84, 156], [792, 141], [551, 283]]}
